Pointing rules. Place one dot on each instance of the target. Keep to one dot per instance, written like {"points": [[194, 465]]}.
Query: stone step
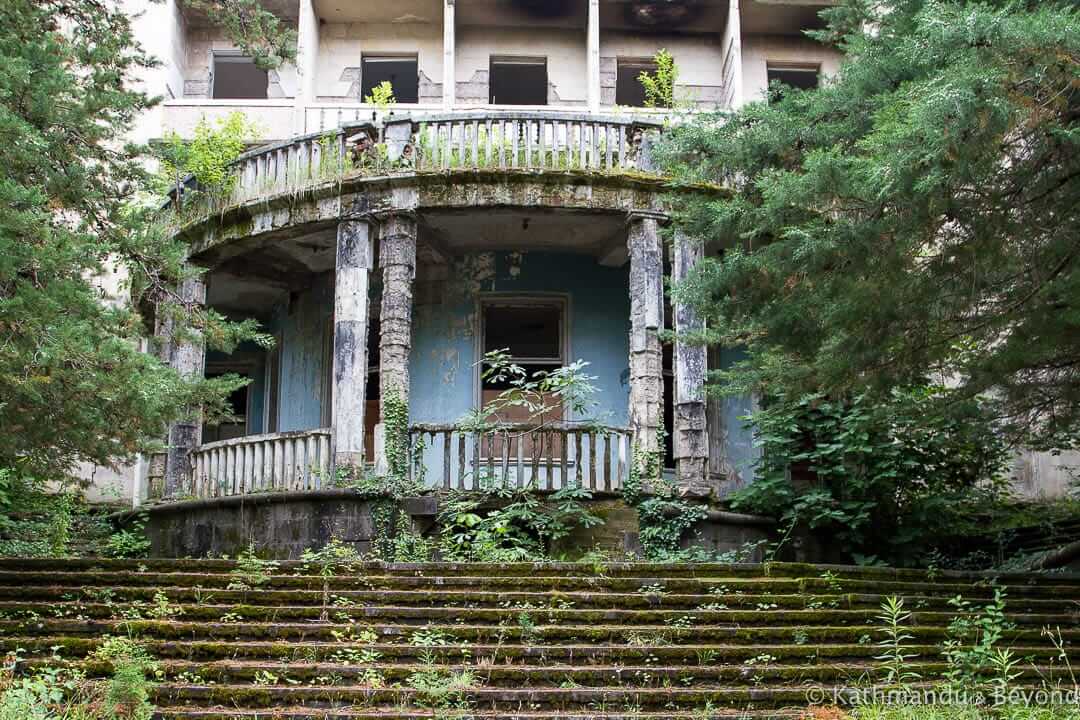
{"points": [[774, 570], [345, 616], [494, 671], [689, 654], [478, 697], [30, 598], [641, 583], [397, 712], [483, 633]]}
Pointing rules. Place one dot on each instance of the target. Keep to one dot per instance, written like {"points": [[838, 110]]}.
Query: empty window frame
{"points": [[401, 71], [531, 330], [801, 77], [518, 81], [235, 77], [629, 92]]}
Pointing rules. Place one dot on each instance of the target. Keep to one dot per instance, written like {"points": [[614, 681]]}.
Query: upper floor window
{"points": [[235, 76], [402, 72], [629, 91], [518, 81], [801, 77]]}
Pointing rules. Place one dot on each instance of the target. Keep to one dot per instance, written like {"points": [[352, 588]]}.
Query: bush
{"points": [[883, 478]]}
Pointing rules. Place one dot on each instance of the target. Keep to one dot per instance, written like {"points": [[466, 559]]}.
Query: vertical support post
{"points": [[397, 259], [691, 442], [449, 55], [188, 358], [732, 49], [354, 261], [646, 322], [307, 58], [593, 56]]}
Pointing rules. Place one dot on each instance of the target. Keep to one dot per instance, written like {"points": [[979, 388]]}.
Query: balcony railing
{"points": [[451, 458], [479, 140], [445, 457], [275, 462]]}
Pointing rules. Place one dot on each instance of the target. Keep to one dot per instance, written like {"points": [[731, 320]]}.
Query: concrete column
{"points": [[187, 355], [691, 441], [646, 322], [449, 55], [397, 259], [307, 59], [593, 56], [354, 261]]}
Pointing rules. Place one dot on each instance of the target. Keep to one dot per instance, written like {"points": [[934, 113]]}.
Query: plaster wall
{"points": [[342, 45], [699, 59], [759, 50], [445, 326], [301, 325], [201, 43], [563, 48]]}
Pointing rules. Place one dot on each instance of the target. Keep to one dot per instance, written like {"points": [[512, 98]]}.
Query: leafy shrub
{"points": [[884, 478]]}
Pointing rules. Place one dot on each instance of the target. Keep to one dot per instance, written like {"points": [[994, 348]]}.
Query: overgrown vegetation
{"points": [[887, 478], [660, 84], [943, 156]]}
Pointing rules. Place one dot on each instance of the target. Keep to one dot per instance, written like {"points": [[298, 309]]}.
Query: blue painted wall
{"points": [[444, 334], [301, 325]]}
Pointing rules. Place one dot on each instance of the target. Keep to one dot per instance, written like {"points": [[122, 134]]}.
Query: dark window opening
{"points": [[402, 73], [518, 82], [237, 406], [800, 78], [629, 91], [237, 78]]}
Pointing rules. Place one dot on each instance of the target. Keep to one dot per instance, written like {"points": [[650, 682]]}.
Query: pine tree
{"points": [[74, 385], [918, 215]]}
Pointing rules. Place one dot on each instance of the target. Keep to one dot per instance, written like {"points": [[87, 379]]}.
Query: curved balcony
{"points": [[488, 140]]}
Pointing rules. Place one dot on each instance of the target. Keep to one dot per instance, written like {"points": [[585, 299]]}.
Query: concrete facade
{"points": [[463, 253]]}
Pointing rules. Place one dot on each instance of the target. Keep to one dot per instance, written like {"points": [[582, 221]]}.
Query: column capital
{"points": [[382, 216], [637, 215]]}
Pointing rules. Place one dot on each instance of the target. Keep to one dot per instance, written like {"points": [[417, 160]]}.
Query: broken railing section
{"points": [[547, 457], [481, 140]]}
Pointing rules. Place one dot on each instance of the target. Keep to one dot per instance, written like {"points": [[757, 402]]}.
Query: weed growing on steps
{"points": [[250, 572], [57, 692], [894, 618], [335, 558]]}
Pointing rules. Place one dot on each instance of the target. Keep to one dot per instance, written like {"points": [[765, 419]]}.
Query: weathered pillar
{"points": [[354, 261], [691, 442], [449, 55], [307, 57], [593, 56], [187, 355], [646, 322], [397, 259]]}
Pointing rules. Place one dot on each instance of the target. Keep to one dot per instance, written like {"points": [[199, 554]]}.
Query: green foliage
{"points": [[972, 645], [894, 619], [74, 385], [334, 558], [255, 30], [915, 215], [206, 156], [251, 571], [506, 523], [127, 544], [382, 95], [660, 85], [396, 440], [887, 478]]}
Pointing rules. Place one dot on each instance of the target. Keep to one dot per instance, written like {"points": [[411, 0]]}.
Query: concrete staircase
{"points": [[522, 641]]}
